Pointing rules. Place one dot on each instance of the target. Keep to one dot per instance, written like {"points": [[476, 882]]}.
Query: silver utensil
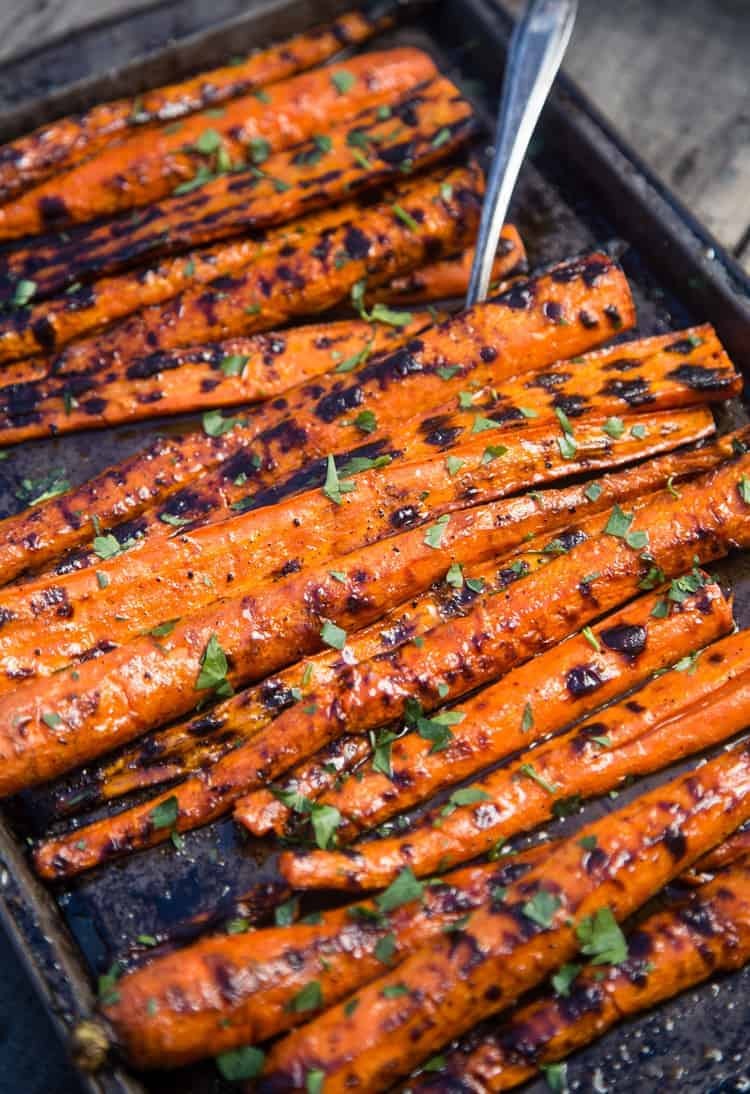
{"points": [[536, 50]]}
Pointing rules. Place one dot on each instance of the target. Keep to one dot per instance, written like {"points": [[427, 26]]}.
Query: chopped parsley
{"points": [[433, 537], [213, 669], [601, 938], [241, 1063], [343, 80], [403, 890], [332, 635], [541, 908], [164, 815]]}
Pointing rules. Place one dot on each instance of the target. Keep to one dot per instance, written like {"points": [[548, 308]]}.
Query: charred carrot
{"points": [[139, 389], [338, 954], [426, 125], [671, 722], [240, 287], [669, 952], [238, 370], [539, 698], [67, 140], [493, 636], [183, 748], [512, 943], [448, 278], [498, 339], [176, 575], [146, 166]]}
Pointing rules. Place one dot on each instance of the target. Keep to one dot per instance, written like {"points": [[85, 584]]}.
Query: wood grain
{"points": [[672, 75]]}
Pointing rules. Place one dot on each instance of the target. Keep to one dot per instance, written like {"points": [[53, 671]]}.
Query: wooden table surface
{"points": [[672, 75], [674, 78]]}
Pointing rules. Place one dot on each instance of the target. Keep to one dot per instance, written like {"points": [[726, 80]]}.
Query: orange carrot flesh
{"points": [[31, 158], [447, 278], [244, 204], [240, 287], [670, 723], [518, 939], [543, 607], [183, 748], [271, 966], [129, 593], [139, 389], [435, 366], [538, 698], [669, 952], [147, 166]]}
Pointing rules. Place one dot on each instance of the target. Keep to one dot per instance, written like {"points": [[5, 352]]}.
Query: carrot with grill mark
{"points": [[243, 287], [271, 966], [243, 370], [448, 278], [146, 166], [490, 639], [31, 158], [512, 943], [540, 697], [141, 388], [500, 338], [175, 575], [670, 723], [187, 746], [669, 952], [365, 151]]}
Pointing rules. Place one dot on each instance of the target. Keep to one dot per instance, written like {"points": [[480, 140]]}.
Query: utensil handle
{"points": [[536, 50]]}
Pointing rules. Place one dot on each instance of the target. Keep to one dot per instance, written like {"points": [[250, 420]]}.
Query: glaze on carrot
{"points": [[426, 125], [271, 966], [514, 942], [538, 698], [250, 287], [140, 389], [668, 953], [498, 339], [671, 722], [489, 640], [146, 166], [183, 748], [31, 158], [178, 574]]}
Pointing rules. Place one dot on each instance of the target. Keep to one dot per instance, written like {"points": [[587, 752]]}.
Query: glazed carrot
{"points": [[514, 942], [187, 746], [493, 341], [445, 279], [147, 166], [427, 124], [735, 847], [490, 639], [176, 575], [249, 287], [237, 370], [273, 965], [67, 140], [538, 698], [671, 722], [140, 389], [669, 952]]}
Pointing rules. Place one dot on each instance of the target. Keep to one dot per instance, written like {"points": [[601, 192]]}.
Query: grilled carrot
{"points": [[67, 140], [147, 166], [183, 748], [272, 966], [670, 722], [426, 125], [492, 637], [496, 339], [139, 389], [179, 574], [514, 942], [237, 370], [669, 952], [532, 701], [445, 279], [248, 287]]}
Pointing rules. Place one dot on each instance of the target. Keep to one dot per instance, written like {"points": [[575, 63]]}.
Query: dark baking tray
{"points": [[583, 186]]}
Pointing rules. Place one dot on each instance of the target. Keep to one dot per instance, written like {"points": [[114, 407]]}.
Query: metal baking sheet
{"points": [[582, 188]]}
